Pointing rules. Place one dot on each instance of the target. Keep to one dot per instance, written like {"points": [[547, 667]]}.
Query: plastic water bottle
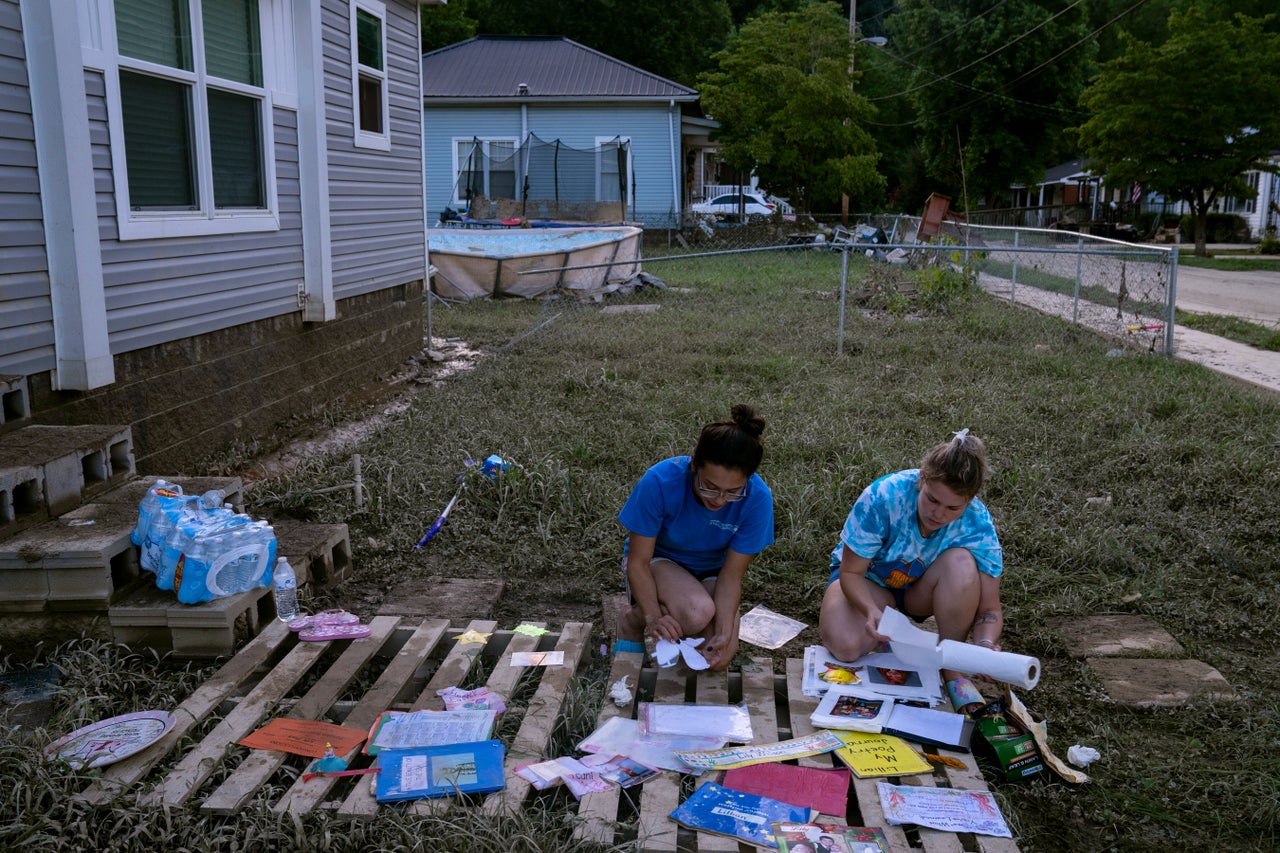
{"points": [[149, 506], [285, 583]]}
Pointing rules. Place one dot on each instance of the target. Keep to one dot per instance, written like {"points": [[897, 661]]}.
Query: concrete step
{"points": [[319, 552], [46, 471], [15, 402]]}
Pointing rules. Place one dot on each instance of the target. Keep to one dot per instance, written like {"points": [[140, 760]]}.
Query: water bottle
{"points": [[149, 506], [285, 583]]}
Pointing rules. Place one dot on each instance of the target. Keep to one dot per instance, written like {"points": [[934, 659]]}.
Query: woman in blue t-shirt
{"points": [[695, 524], [921, 542]]}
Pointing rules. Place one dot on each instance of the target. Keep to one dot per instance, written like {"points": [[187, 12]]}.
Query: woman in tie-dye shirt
{"points": [[919, 541]]}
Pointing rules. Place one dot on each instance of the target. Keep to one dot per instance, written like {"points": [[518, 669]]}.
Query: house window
{"points": [[369, 74], [484, 167], [613, 168], [191, 118]]}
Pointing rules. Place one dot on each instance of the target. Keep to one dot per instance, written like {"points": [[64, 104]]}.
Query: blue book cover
{"points": [[440, 771], [724, 811]]}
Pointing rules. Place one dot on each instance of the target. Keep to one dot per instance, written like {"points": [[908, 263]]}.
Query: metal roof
{"points": [[551, 67]]}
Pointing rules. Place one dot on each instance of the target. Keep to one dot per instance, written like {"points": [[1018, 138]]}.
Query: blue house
{"points": [[487, 99], [213, 213]]}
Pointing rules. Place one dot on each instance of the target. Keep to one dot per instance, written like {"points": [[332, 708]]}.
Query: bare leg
{"points": [[680, 594], [948, 591], [842, 628]]}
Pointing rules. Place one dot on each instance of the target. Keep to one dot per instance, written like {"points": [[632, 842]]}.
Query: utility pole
{"points": [[853, 36]]}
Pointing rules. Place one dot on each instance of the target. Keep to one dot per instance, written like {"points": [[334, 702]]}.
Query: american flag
{"points": [[1137, 194]]}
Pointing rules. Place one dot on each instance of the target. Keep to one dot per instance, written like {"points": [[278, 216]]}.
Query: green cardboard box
{"points": [[1013, 748]]}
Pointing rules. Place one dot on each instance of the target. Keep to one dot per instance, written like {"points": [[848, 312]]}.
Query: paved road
{"points": [[1251, 295]]}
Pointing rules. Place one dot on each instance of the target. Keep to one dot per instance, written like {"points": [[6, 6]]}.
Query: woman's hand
{"points": [[664, 627], [874, 615], [719, 650]]}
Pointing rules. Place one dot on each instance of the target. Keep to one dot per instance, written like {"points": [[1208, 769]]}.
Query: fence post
{"points": [[844, 282], [1075, 303], [1013, 284], [1171, 307]]}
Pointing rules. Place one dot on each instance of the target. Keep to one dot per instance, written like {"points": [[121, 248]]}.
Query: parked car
{"points": [[728, 206]]}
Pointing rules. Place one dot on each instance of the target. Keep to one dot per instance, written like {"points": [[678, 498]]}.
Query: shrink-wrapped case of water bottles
{"points": [[200, 547]]}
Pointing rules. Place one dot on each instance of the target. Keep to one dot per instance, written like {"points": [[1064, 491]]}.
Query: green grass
{"points": [[1234, 328], [1229, 263], [585, 403]]}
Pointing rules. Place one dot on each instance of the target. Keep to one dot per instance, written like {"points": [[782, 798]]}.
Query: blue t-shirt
{"points": [[882, 526], [664, 505]]}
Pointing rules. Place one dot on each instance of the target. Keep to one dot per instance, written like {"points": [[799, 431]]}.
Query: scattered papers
{"points": [[731, 722], [530, 630], [619, 769], [407, 729], [879, 673], [555, 658], [668, 653], [574, 774], [760, 626], [870, 755], [621, 736], [480, 699], [827, 791], [922, 648], [304, 737], [948, 809], [748, 817], [743, 756], [852, 709], [473, 636]]}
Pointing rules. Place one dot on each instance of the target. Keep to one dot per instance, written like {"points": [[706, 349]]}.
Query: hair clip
{"points": [[960, 436]]}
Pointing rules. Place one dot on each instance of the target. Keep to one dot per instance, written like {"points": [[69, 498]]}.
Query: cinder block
{"points": [[141, 618], [213, 628], [131, 493], [21, 499], [78, 462], [85, 555], [23, 590], [319, 552], [15, 401]]}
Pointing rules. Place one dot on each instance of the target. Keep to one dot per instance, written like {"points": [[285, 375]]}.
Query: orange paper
{"points": [[304, 737]]}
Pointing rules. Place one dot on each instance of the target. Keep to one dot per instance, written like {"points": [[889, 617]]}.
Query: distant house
{"points": [[213, 211], [492, 94]]}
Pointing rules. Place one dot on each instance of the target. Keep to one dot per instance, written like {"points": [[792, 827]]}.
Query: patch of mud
{"points": [[444, 359]]}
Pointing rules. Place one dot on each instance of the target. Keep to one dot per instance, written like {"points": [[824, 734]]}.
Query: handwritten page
{"points": [[870, 755], [948, 809]]}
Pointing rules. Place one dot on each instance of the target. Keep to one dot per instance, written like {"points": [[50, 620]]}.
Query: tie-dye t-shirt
{"points": [[882, 527]]}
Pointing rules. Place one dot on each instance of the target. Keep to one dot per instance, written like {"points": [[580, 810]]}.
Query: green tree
{"points": [[786, 110], [1188, 118], [446, 24], [995, 81], [670, 38]]}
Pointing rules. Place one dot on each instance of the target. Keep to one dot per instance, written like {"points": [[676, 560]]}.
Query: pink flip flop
{"points": [[326, 617], [324, 632]]}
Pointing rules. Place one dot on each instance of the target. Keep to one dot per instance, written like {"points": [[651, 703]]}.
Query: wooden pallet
{"points": [[404, 662], [779, 710]]}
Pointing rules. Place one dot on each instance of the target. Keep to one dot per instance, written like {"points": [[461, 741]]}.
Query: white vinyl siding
{"points": [[26, 312], [375, 196]]}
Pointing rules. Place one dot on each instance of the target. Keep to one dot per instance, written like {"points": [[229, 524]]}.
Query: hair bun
{"points": [[747, 419]]}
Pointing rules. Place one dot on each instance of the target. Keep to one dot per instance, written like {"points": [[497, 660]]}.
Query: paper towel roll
{"points": [[1020, 670]]}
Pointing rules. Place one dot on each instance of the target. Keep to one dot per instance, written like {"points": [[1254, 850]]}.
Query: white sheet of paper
{"points": [[413, 773], [667, 653], [935, 725]]}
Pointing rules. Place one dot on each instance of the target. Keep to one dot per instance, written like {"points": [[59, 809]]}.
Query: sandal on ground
{"points": [[321, 633], [962, 692], [326, 617]]}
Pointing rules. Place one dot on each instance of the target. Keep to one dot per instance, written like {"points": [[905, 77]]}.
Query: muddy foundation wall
{"points": [[192, 400]]}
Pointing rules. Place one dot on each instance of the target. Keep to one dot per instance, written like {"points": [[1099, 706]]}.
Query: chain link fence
{"points": [[876, 263]]}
